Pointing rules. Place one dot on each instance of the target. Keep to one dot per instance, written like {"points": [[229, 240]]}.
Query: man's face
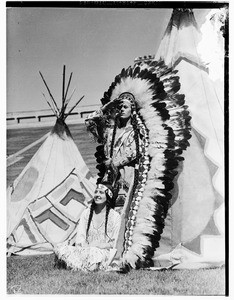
{"points": [[125, 110]]}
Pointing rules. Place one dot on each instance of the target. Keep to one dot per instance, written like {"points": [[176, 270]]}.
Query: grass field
{"points": [[36, 275]]}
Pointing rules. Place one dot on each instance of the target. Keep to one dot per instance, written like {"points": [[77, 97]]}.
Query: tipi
{"points": [[175, 217], [46, 200], [193, 236]]}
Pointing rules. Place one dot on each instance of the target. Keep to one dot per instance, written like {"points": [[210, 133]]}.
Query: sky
{"points": [[93, 43]]}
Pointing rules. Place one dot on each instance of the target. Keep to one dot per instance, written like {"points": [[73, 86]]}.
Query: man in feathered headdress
{"points": [[143, 128]]}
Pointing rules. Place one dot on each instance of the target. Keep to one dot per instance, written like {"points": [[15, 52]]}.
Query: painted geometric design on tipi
{"points": [[54, 216], [72, 195]]}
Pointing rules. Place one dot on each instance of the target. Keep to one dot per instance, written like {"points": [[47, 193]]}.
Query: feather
{"points": [[166, 122]]}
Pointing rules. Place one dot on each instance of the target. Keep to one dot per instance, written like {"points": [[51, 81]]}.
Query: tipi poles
{"points": [[68, 100], [63, 99], [73, 107], [52, 108], [65, 103], [51, 96]]}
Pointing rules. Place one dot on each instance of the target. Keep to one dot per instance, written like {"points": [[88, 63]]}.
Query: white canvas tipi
{"points": [[48, 197], [193, 236]]}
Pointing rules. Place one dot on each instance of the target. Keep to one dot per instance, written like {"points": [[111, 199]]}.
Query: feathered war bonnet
{"points": [[165, 124]]}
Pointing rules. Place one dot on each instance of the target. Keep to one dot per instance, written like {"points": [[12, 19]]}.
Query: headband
{"points": [[126, 96], [105, 188]]}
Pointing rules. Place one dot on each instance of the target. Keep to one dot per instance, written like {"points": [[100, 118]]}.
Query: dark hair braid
{"points": [[113, 138], [92, 207], [108, 208]]}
